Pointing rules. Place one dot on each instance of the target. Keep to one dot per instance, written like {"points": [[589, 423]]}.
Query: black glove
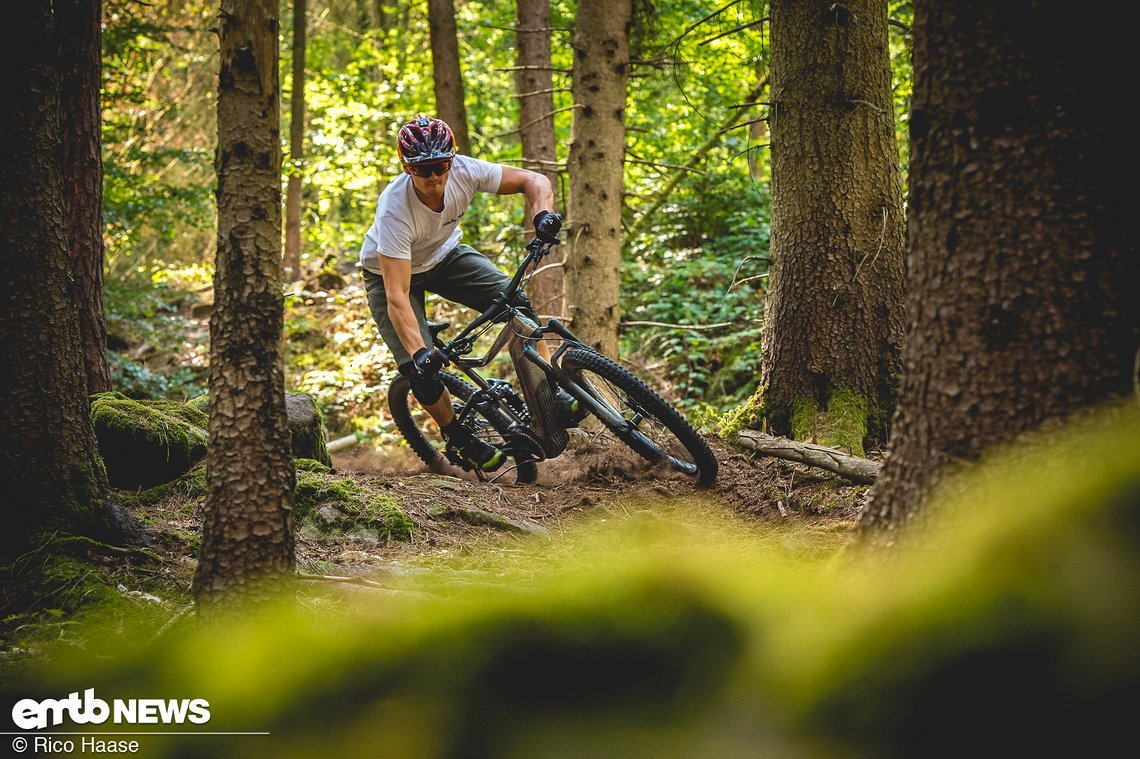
{"points": [[546, 226], [428, 362]]}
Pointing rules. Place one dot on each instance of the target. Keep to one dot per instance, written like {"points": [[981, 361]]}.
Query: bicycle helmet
{"points": [[423, 140]]}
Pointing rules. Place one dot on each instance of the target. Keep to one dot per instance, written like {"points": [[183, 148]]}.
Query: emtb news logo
{"points": [[29, 714]]}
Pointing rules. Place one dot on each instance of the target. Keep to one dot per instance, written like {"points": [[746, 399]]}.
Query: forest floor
{"points": [[460, 515], [462, 532]]}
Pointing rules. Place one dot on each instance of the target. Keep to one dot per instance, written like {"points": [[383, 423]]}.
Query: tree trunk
{"points": [[292, 263], [1023, 261], [248, 526], [534, 86], [448, 78], [834, 311], [597, 154], [79, 28], [51, 476]]}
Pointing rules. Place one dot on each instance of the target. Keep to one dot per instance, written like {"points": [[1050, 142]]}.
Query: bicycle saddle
{"points": [[434, 328]]}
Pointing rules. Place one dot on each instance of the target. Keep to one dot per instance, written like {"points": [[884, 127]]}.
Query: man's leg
{"points": [[430, 391]]}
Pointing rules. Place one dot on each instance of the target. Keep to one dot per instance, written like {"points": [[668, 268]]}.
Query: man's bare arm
{"points": [[535, 188], [397, 273]]}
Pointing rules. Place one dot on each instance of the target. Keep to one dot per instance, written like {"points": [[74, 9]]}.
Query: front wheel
{"points": [[641, 418], [492, 426]]}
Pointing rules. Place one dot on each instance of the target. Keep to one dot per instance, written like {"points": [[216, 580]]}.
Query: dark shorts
{"points": [[464, 276]]}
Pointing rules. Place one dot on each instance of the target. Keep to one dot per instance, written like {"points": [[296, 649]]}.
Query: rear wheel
{"points": [[641, 418], [422, 433]]}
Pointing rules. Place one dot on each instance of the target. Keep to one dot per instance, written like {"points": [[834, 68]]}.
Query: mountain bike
{"points": [[529, 426]]}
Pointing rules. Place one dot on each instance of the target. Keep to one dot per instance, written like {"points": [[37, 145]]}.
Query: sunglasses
{"points": [[430, 169]]}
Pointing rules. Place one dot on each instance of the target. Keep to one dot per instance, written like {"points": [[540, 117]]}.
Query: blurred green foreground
{"points": [[1011, 625]]}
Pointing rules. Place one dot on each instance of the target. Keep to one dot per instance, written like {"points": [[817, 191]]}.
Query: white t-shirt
{"points": [[405, 228]]}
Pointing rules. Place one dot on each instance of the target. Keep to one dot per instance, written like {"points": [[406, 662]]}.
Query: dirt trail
{"points": [[456, 512]]}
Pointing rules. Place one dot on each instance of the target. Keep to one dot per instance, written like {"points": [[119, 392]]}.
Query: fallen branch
{"points": [[352, 580], [854, 468]]}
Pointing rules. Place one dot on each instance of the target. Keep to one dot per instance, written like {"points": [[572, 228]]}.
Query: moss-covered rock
{"points": [[309, 465], [147, 443], [306, 428], [330, 504]]}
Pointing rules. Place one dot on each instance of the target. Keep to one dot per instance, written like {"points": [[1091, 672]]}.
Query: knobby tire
{"points": [[580, 363]]}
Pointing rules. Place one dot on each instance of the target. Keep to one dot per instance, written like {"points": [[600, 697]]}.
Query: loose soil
{"points": [[456, 512]]}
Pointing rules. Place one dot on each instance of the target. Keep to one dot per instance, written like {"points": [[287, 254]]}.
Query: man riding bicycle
{"points": [[413, 247]]}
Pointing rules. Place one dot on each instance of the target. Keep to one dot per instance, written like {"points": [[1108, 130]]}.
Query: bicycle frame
{"points": [[538, 378]]}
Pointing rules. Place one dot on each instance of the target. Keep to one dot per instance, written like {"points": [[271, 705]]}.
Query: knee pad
{"points": [[427, 390]]}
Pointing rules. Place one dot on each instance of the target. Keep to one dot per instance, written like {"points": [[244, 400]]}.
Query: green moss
{"points": [[200, 402], [310, 465], [146, 443], [189, 541], [316, 489], [334, 505], [804, 413], [846, 422], [193, 483], [388, 518], [743, 417], [133, 500], [182, 411], [842, 426]]}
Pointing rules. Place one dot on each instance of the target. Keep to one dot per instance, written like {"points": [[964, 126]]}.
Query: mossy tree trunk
{"points": [[534, 88], [248, 526], [1023, 263], [834, 310], [51, 476], [447, 74], [593, 231]]}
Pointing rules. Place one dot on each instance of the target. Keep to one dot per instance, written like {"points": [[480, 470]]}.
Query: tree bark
{"points": [[248, 525], [834, 311], [51, 476], [533, 87], [448, 76], [593, 231], [292, 262], [79, 28], [1023, 261]]}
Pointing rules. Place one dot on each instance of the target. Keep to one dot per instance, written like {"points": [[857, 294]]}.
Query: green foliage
{"points": [[159, 62], [698, 259], [146, 312]]}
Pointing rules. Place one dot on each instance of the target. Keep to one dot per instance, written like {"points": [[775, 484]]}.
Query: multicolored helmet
{"points": [[423, 140]]}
